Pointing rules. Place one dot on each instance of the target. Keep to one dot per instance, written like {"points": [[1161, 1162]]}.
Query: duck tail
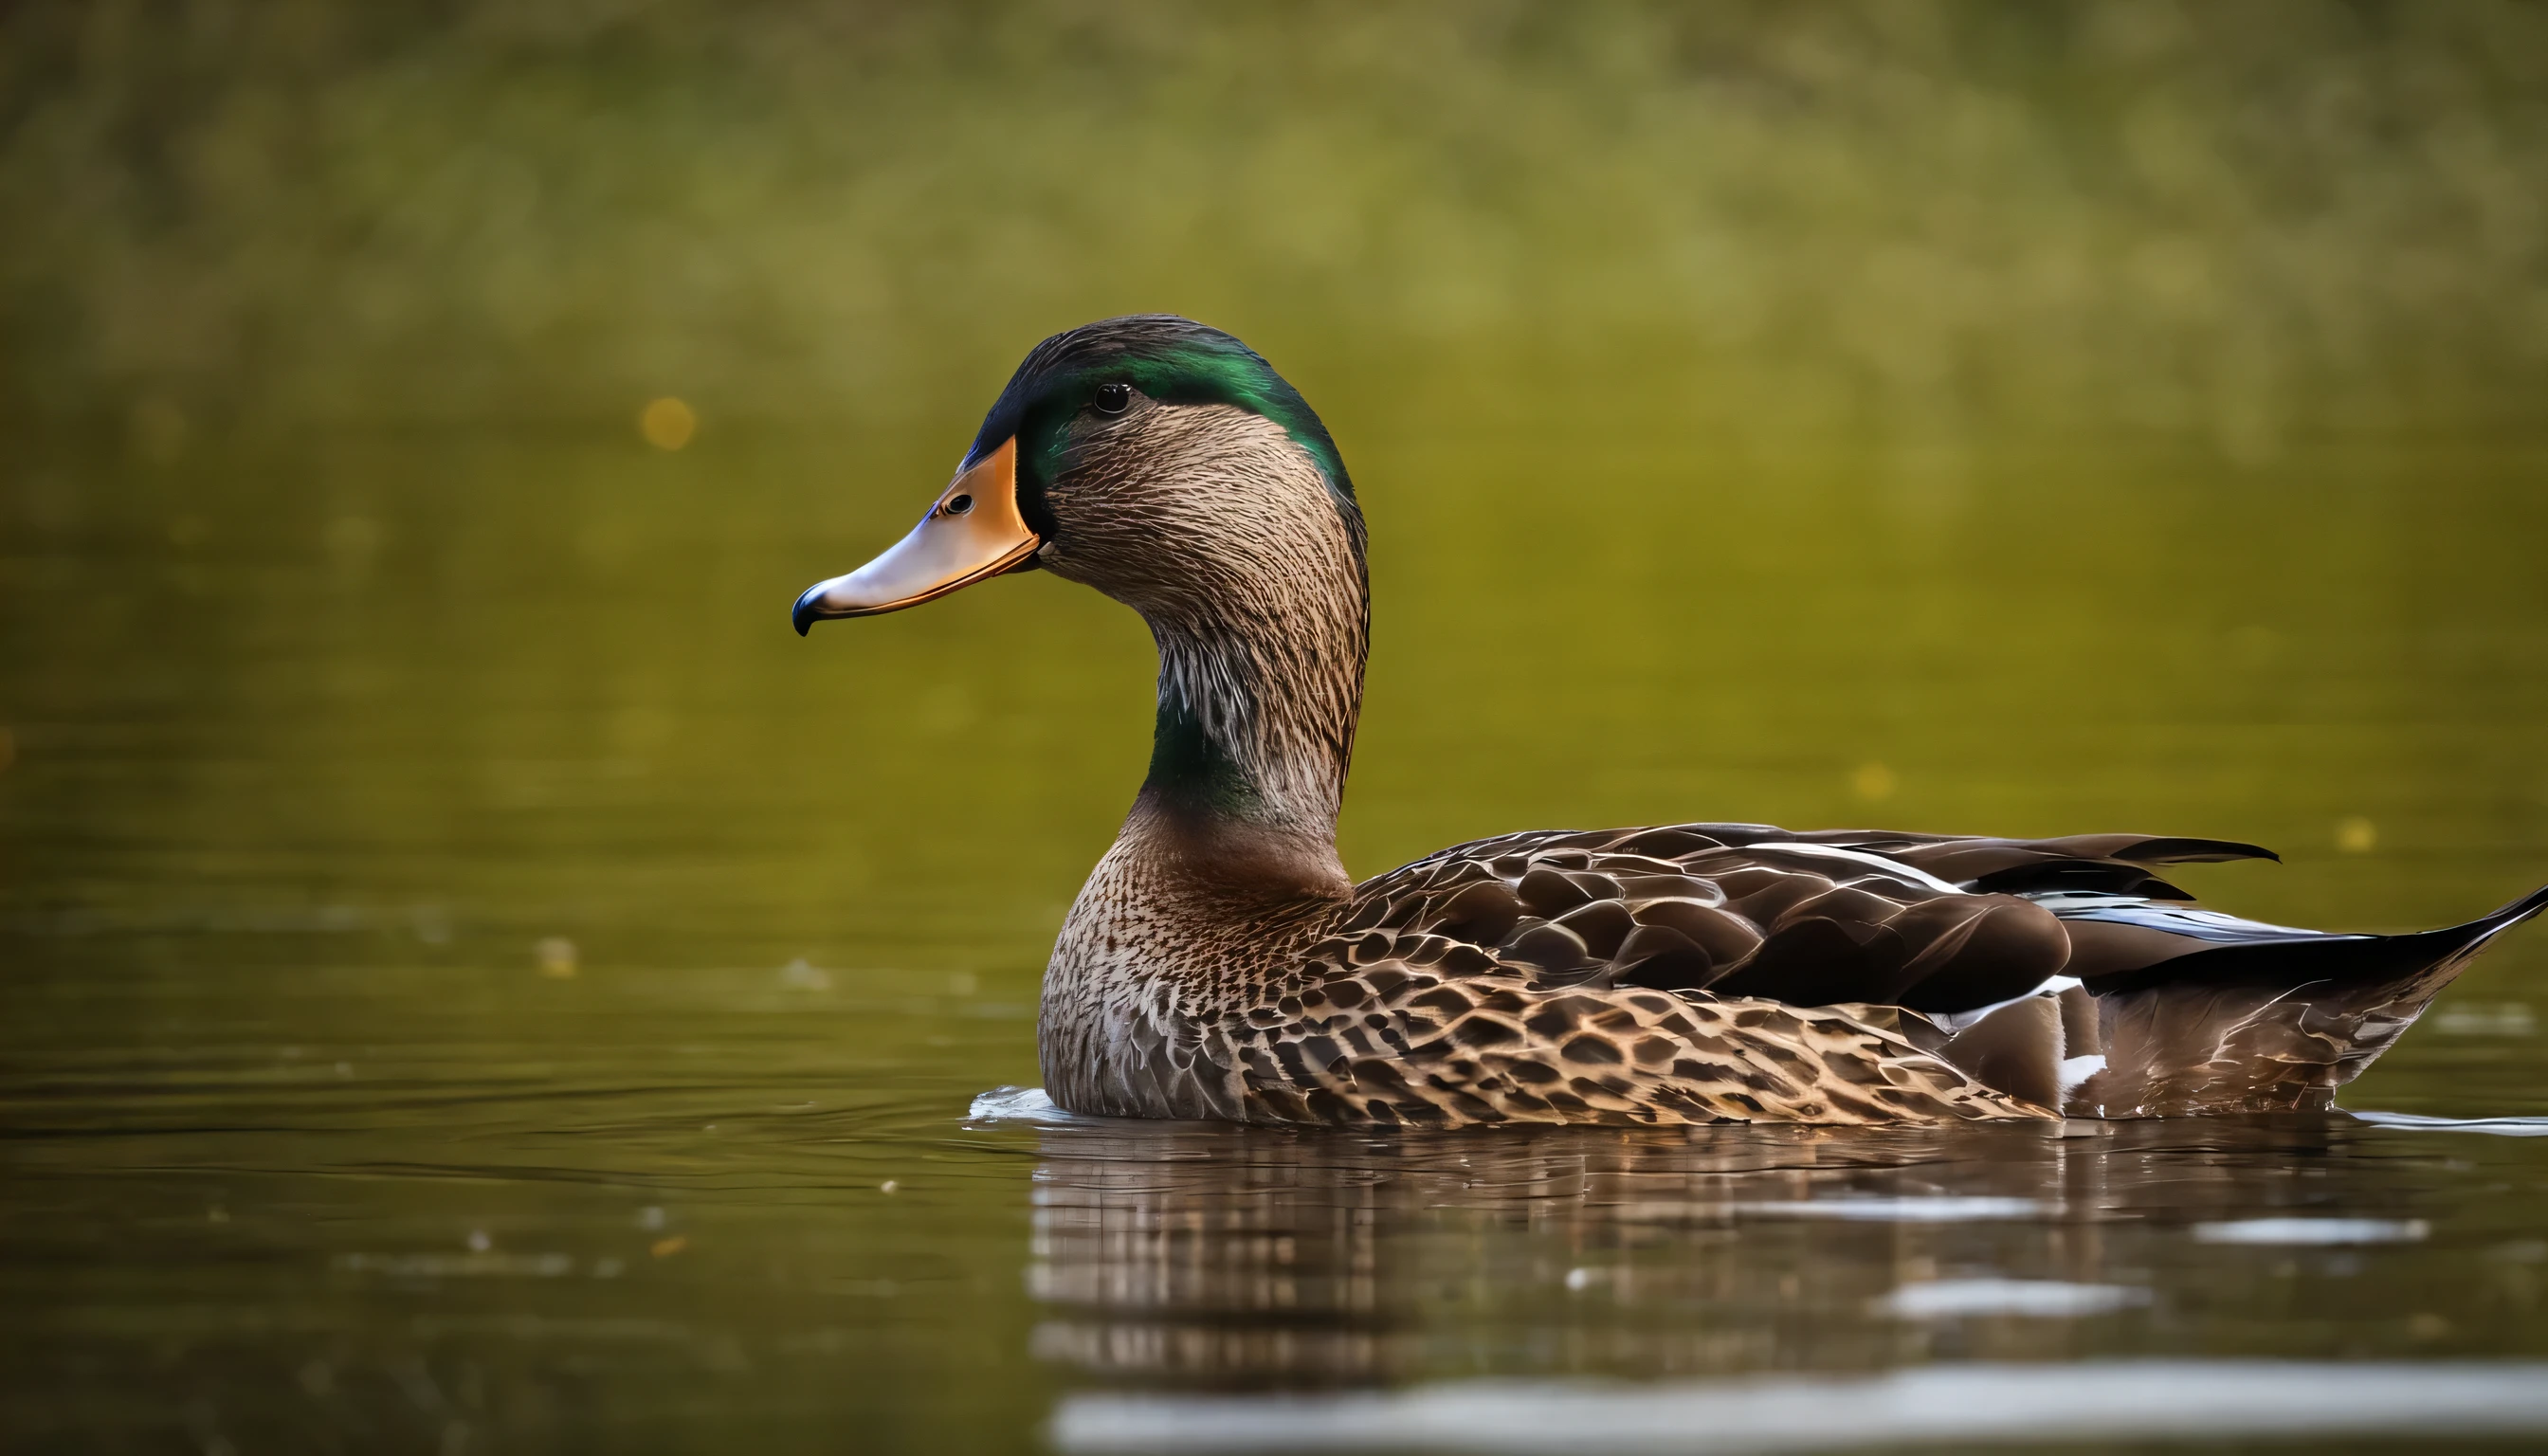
{"points": [[2511, 915], [2270, 1026]]}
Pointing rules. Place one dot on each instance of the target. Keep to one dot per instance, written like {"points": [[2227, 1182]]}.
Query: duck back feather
{"points": [[2064, 973]]}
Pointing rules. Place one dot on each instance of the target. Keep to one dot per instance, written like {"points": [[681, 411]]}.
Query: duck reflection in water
{"points": [[1223, 1257]]}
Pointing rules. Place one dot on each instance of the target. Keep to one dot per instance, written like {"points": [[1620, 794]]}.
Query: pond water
{"points": [[477, 981]]}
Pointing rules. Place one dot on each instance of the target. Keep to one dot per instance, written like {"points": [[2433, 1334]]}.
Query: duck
{"points": [[1221, 964]]}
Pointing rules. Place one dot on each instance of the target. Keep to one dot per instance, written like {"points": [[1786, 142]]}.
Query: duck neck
{"points": [[1257, 703]]}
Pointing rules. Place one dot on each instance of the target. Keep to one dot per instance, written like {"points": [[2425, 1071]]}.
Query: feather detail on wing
{"points": [[2062, 973]]}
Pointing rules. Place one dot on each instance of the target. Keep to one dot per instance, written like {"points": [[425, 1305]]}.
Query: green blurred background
{"points": [[1991, 417], [2001, 418], [1935, 222]]}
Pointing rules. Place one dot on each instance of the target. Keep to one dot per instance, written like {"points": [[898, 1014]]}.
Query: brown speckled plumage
{"points": [[1219, 963]]}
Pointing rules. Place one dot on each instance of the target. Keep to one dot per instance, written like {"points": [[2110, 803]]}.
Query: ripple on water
{"points": [[2043, 1299], [2313, 1231], [1970, 1404], [2522, 1127], [1020, 1105], [1943, 1209]]}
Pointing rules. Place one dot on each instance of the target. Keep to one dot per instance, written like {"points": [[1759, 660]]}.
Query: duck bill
{"points": [[972, 532]]}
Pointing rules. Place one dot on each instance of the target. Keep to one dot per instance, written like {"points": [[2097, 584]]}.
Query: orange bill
{"points": [[971, 532]]}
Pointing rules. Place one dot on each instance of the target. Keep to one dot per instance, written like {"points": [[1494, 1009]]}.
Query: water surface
{"points": [[477, 981], [472, 980]]}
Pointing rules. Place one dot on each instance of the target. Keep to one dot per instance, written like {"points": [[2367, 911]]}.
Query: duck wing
{"points": [[1930, 923], [2149, 1003]]}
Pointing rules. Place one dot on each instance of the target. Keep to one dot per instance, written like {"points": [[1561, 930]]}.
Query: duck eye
{"points": [[957, 504], [1114, 399]]}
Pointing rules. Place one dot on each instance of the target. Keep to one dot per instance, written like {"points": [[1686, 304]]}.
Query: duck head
{"points": [[1130, 454], [1168, 465]]}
